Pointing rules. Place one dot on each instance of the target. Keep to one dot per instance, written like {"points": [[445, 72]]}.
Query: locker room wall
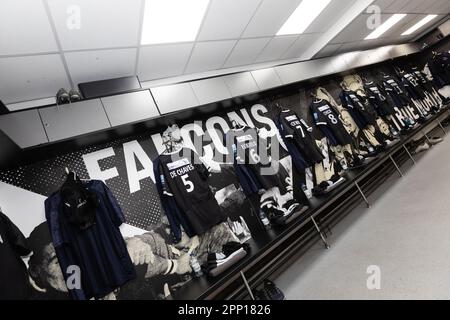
{"points": [[142, 207]]}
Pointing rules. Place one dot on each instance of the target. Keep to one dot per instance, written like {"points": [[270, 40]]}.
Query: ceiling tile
{"points": [[209, 55], [402, 26], [424, 6], [358, 30], [275, 48], [225, 20], [269, 17], [31, 77], [410, 7], [23, 30], [302, 43], [383, 4], [329, 16], [245, 52], [163, 60], [396, 6], [444, 7], [100, 65], [409, 21], [105, 24]]}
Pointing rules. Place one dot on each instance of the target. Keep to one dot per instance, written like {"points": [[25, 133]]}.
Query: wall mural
{"points": [[126, 167]]}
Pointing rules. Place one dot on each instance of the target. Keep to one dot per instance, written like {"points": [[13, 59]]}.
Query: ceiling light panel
{"points": [[303, 16], [169, 21], [388, 24], [419, 24]]}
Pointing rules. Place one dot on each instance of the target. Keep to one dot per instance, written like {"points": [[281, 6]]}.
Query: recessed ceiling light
{"points": [[303, 16], [167, 21], [419, 24], [389, 23]]}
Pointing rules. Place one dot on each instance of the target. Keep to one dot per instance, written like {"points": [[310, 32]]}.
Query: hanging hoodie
{"points": [[97, 249]]}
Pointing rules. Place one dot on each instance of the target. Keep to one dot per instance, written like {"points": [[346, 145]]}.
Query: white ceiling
{"points": [[39, 52]]}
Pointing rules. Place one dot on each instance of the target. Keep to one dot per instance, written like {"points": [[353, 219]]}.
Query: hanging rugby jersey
{"points": [[251, 161], [423, 81], [427, 88], [187, 199], [327, 120], [412, 87], [439, 66], [298, 138], [356, 106], [378, 99], [391, 84], [395, 91]]}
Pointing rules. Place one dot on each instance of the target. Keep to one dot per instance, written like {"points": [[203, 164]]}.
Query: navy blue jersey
{"points": [[251, 160], [412, 86], [357, 109], [187, 199], [378, 99], [99, 251], [297, 136], [327, 120], [395, 91], [439, 66]]}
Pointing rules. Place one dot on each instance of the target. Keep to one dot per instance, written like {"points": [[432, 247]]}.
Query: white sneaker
{"points": [[436, 140], [424, 146]]}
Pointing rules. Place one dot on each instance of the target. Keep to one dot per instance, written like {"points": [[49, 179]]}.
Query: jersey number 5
{"points": [[189, 185]]}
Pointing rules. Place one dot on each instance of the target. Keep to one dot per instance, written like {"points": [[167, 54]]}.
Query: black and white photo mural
{"points": [[126, 167]]}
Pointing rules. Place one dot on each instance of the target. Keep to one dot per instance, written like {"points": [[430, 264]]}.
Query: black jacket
{"points": [[14, 282]]}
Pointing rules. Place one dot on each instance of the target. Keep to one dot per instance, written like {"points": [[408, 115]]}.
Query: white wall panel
{"points": [[266, 78], [240, 84], [210, 90], [71, 120], [174, 97], [129, 107], [24, 128]]}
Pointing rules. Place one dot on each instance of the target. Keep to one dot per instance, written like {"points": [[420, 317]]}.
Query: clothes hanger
{"points": [[281, 107], [313, 95]]}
